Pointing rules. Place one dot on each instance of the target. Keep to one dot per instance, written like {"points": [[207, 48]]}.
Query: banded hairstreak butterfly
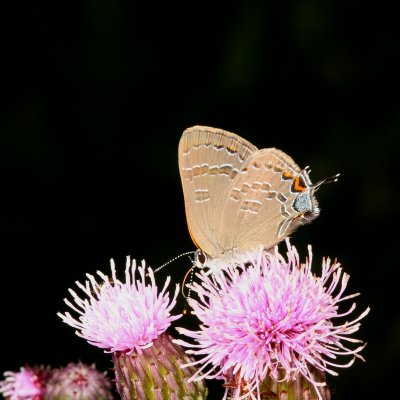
{"points": [[237, 197]]}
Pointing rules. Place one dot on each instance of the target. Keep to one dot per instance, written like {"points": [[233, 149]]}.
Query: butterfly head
{"points": [[305, 203]]}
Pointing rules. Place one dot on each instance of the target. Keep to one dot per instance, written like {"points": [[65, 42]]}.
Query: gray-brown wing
{"points": [[261, 206], [209, 160]]}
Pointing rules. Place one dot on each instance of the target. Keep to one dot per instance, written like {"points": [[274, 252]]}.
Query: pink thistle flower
{"points": [[129, 320], [78, 381], [124, 317], [27, 384], [273, 319]]}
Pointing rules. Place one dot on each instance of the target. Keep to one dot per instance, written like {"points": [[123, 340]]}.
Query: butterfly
{"points": [[237, 197]]}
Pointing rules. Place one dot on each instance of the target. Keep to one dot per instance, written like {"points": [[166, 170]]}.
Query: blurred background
{"points": [[94, 98]]}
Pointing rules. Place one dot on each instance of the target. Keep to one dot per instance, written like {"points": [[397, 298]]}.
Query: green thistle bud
{"points": [[155, 374], [298, 389]]}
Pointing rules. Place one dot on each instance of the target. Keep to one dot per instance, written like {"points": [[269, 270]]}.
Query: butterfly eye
{"points": [[200, 258]]}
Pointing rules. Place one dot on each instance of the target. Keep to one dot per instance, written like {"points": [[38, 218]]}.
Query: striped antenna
{"points": [[173, 259]]}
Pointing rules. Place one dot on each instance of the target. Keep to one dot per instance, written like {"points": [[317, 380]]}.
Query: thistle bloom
{"points": [[272, 319], [27, 384], [78, 381], [124, 317], [129, 320]]}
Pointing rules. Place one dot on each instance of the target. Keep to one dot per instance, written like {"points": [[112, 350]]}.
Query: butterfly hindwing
{"points": [[261, 199]]}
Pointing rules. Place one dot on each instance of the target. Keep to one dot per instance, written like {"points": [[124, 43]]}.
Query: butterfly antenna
{"points": [[172, 260], [331, 179]]}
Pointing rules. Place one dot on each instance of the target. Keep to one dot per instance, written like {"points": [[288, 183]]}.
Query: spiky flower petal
{"points": [[27, 384], [269, 317], [119, 316]]}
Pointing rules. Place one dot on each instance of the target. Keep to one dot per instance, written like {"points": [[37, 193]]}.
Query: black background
{"points": [[94, 98]]}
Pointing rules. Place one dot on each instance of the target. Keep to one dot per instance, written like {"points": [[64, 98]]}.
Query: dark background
{"points": [[94, 98]]}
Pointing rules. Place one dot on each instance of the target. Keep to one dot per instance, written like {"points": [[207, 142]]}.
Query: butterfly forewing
{"points": [[209, 160]]}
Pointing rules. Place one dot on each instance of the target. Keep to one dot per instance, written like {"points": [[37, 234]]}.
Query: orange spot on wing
{"points": [[287, 175], [298, 185]]}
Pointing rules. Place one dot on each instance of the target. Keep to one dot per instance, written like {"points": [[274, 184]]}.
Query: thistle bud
{"points": [[156, 373]]}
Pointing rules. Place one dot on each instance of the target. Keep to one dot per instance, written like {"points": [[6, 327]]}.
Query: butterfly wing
{"points": [[267, 200], [209, 160]]}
